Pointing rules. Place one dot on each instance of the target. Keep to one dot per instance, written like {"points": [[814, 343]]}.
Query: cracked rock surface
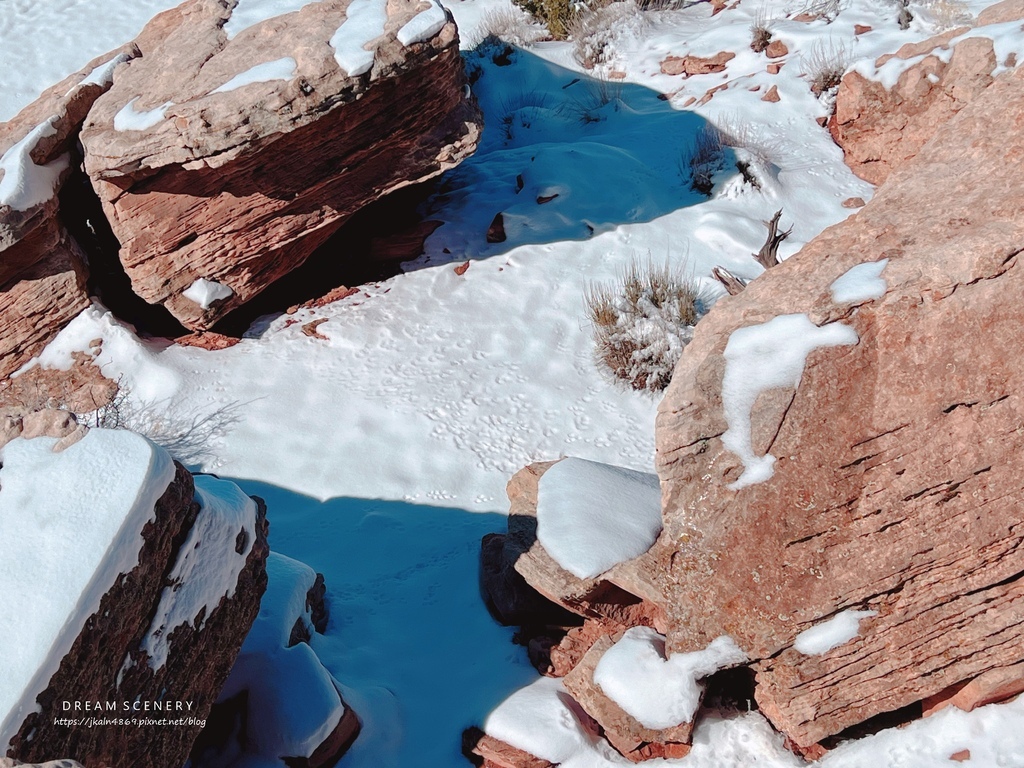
{"points": [[898, 478]]}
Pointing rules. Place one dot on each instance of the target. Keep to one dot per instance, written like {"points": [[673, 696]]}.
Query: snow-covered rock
{"points": [[224, 160], [94, 524]]}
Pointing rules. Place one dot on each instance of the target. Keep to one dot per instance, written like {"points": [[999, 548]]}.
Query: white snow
{"points": [[279, 69], [293, 703], [364, 23], [452, 383], [248, 13], [103, 74], [424, 25], [128, 119], [593, 516], [863, 282], [838, 630], [208, 564], [660, 692], [762, 357], [70, 523], [24, 183], [205, 292]]}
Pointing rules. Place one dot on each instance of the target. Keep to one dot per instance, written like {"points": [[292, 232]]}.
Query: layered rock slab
{"points": [[42, 269], [229, 160], [881, 126], [896, 480], [131, 647]]}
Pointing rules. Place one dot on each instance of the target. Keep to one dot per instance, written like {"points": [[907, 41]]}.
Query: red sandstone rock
{"points": [[961, 756], [197, 663], [880, 129], [860, 29], [772, 95], [776, 49], [629, 737], [476, 745], [899, 466], [696, 65], [240, 186], [991, 687], [853, 202], [42, 272], [41, 300], [611, 597], [775, 67]]}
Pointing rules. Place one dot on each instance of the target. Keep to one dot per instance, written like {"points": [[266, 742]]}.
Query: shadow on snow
{"points": [[410, 639], [563, 156]]}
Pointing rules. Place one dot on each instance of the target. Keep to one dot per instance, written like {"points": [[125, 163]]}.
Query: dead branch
{"points": [[768, 256], [732, 283]]}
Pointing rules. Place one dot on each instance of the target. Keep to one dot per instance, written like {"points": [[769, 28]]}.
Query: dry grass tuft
{"points": [[641, 324]]}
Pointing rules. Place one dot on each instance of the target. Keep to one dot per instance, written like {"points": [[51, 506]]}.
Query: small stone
{"points": [[461, 269], [854, 202], [772, 95], [776, 49], [774, 68], [961, 757], [860, 29]]}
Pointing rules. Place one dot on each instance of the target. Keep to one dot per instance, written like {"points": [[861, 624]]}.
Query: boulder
{"points": [[41, 300], [42, 270], [612, 597], [147, 641], [881, 128], [696, 65], [237, 144], [897, 474]]}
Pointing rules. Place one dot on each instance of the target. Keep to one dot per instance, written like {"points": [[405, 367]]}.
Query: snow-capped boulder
{"points": [[887, 111], [843, 439], [242, 139], [134, 590], [610, 595], [280, 702], [42, 272]]}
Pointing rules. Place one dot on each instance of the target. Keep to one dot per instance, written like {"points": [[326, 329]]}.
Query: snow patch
{"points": [[539, 719], [592, 516], [293, 703], [70, 524], [838, 630], [279, 69], [205, 292], [863, 282], [762, 357], [248, 13], [364, 23], [103, 75], [128, 119], [208, 564], [660, 692], [424, 25], [24, 183]]}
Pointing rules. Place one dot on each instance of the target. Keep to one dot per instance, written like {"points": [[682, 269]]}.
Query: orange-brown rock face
{"points": [[898, 477], [879, 129], [42, 272], [211, 168]]}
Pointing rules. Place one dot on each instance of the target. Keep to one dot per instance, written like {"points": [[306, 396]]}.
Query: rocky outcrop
{"points": [[689, 65], [897, 476], [42, 270], [218, 176], [846, 509], [880, 128], [132, 648]]}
